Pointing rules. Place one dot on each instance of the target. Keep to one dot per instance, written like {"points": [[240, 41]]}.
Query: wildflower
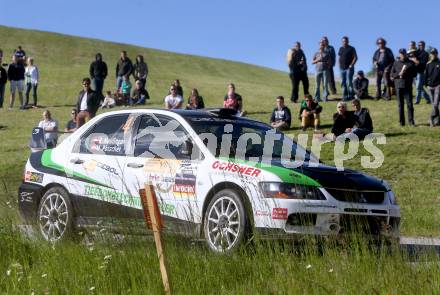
{"points": [[92, 288], [107, 257], [330, 270], [8, 272], [44, 275], [91, 249], [308, 266]]}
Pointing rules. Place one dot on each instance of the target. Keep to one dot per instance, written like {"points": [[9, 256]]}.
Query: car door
{"points": [[96, 168], [165, 156]]}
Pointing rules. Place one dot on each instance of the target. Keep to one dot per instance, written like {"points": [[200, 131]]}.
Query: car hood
{"points": [[330, 177]]}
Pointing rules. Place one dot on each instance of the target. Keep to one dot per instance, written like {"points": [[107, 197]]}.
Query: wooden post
{"points": [[152, 216]]}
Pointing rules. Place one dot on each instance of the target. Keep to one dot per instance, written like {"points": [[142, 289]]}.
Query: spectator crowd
{"points": [[393, 76]]}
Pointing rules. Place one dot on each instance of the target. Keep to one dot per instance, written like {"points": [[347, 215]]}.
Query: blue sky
{"points": [[257, 32]]}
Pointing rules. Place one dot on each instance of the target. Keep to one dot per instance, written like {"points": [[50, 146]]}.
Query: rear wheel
{"points": [[225, 221], [55, 215]]}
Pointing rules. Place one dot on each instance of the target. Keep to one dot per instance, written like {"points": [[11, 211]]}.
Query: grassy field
{"points": [[411, 167]]}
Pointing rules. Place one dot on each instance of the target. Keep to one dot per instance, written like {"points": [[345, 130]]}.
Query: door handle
{"points": [[76, 161], [135, 165]]}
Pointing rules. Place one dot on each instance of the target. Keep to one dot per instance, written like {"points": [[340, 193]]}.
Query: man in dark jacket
{"points": [[343, 120], [432, 81], [383, 60], [403, 73], [298, 70], [421, 59], [124, 67], [3, 81], [281, 117], [364, 124], [87, 103], [360, 85], [16, 80], [98, 73]]}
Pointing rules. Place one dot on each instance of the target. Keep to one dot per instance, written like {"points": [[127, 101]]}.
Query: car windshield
{"points": [[247, 140]]}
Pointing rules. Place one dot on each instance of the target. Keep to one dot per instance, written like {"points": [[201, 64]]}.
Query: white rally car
{"points": [[210, 179]]}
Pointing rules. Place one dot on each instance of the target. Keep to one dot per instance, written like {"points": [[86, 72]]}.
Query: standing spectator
{"points": [[309, 113], [98, 72], [195, 101], [173, 100], [331, 74], [421, 61], [50, 127], [71, 125], [20, 54], [364, 124], [323, 62], [298, 70], [383, 60], [3, 81], [432, 74], [139, 94], [124, 67], [347, 59], [87, 103], [141, 71], [233, 100], [16, 79], [360, 85], [403, 73], [32, 76], [281, 117], [179, 88], [343, 120]]}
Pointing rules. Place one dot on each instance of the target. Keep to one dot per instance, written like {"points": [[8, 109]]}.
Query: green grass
{"points": [[411, 167]]}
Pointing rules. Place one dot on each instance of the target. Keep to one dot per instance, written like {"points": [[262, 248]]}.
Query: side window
{"points": [[110, 136], [162, 137]]}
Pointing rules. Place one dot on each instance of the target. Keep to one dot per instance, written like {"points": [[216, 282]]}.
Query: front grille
{"points": [[361, 224], [357, 196]]}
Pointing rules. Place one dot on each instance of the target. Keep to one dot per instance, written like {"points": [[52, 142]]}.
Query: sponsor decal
{"points": [[184, 185], [166, 208], [33, 177], [91, 166], [161, 183], [26, 197], [232, 167], [109, 195], [262, 213], [279, 213], [161, 166]]}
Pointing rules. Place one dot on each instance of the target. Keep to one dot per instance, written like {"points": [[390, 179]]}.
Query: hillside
{"points": [[411, 163]]}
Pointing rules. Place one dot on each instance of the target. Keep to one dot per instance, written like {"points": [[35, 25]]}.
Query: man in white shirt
{"points": [[173, 100], [31, 79], [50, 127], [87, 103]]}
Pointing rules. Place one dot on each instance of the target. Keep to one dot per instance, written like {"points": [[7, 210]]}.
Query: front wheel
{"points": [[55, 215], [225, 221]]}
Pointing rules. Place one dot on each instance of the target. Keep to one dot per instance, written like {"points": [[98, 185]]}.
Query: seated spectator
{"points": [[173, 100], [139, 94], [364, 124], [179, 89], [281, 117], [233, 100], [360, 85], [71, 125], [109, 101], [309, 113], [195, 101], [119, 99], [50, 127], [126, 88], [343, 120]]}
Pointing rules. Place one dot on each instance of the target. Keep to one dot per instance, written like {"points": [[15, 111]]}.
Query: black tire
{"points": [[225, 223], [55, 215]]}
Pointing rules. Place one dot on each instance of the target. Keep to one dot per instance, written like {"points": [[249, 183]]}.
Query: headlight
{"points": [[283, 190]]}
